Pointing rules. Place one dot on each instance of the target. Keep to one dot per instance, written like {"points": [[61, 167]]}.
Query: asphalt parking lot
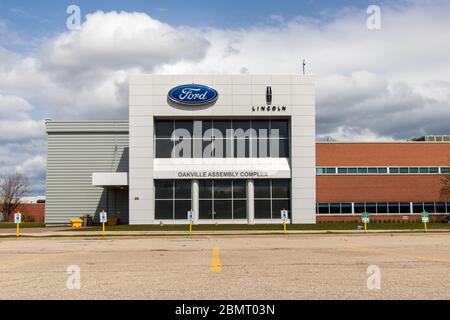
{"points": [[412, 266]]}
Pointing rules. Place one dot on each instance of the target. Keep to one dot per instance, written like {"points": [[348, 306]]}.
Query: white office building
{"points": [[230, 148]]}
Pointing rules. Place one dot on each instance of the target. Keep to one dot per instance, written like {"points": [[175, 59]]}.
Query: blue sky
{"points": [[33, 19], [390, 83]]}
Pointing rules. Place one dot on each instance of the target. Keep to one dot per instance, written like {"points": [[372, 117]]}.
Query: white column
{"points": [[195, 201], [250, 201]]}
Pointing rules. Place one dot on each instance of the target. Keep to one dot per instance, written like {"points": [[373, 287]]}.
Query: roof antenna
{"points": [[304, 64]]}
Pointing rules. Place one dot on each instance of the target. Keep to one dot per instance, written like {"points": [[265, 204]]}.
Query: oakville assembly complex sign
{"points": [[222, 174]]}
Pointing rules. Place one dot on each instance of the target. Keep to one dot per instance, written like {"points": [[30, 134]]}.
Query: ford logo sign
{"points": [[193, 94]]}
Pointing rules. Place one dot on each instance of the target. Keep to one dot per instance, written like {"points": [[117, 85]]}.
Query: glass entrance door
{"points": [[222, 199]]}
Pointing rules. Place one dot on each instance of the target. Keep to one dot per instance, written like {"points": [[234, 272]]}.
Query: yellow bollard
{"points": [[103, 230], [284, 223], [426, 230], [17, 230], [190, 227], [365, 227]]}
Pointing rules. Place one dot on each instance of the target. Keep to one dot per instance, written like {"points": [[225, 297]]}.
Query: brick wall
{"points": [[37, 210], [381, 188]]}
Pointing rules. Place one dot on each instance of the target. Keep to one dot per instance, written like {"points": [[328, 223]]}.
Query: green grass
{"points": [[271, 227], [4, 225]]}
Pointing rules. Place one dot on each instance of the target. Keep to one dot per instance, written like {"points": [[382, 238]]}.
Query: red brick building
{"points": [[30, 211], [390, 180]]}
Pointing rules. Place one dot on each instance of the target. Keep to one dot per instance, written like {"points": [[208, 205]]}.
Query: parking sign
{"points": [[190, 215], [17, 217], [365, 217], [103, 217], [425, 217], [284, 214]]}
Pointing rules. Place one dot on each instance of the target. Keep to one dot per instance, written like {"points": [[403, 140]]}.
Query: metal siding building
{"points": [[276, 112], [76, 149]]}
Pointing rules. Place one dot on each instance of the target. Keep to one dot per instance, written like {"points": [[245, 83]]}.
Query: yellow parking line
{"points": [[216, 264], [395, 253]]}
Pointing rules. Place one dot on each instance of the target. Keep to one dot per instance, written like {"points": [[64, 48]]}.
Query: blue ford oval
{"points": [[193, 94]]}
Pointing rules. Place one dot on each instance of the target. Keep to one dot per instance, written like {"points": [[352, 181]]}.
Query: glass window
{"points": [[404, 207], [262, 209], [205, 209], [445, 170], [433, 170], [164, 209], [335, 208], [262, 188], [185, 125], [241, 148], [359, 207], [280, 188], [261, 128], [352, 170], [281, 126], [394, 207], [382, 207], [331, 170], [440, 207], [240, 189], [371, 207], [277, 206], [394, 170], [164, 148], [362, 170], [346, 207], [372, 170], [222, 189], [164, 128], [183, 189], [284, 148], [181, 208], [163, 189], [241, 128], [222, 209], [414, 170], [417, 207], [423, 170], [207, 128], [404, 170], [320, 170], [239, 209], [222, 126], [429, 207], [382, 170], [323, 208], [205, 189], [342, 170]]}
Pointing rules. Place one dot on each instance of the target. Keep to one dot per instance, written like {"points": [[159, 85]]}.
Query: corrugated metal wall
{"points": [[75, 151]]}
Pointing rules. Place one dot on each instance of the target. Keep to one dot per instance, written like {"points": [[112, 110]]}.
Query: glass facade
{"points": [[271, 196], [172, 199], [381, 170], [383, 207], [221, 138], [222, 199]]}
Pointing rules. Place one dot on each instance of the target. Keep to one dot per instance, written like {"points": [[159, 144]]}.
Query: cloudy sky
{"points": [[386, 84]]}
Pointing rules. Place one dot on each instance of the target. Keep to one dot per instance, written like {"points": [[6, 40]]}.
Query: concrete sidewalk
{"points": [[66, 232]]}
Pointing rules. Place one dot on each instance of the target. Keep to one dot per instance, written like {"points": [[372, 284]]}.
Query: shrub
{"points": [[28, 218]]}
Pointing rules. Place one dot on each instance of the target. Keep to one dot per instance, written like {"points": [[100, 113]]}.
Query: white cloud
{"points": [[388, 84]]}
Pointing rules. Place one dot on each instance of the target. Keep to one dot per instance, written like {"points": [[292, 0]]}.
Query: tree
{"points": [[12, 188]]}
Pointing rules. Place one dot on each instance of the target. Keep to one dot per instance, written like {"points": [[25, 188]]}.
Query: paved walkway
{"points": [[68, 232]]}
